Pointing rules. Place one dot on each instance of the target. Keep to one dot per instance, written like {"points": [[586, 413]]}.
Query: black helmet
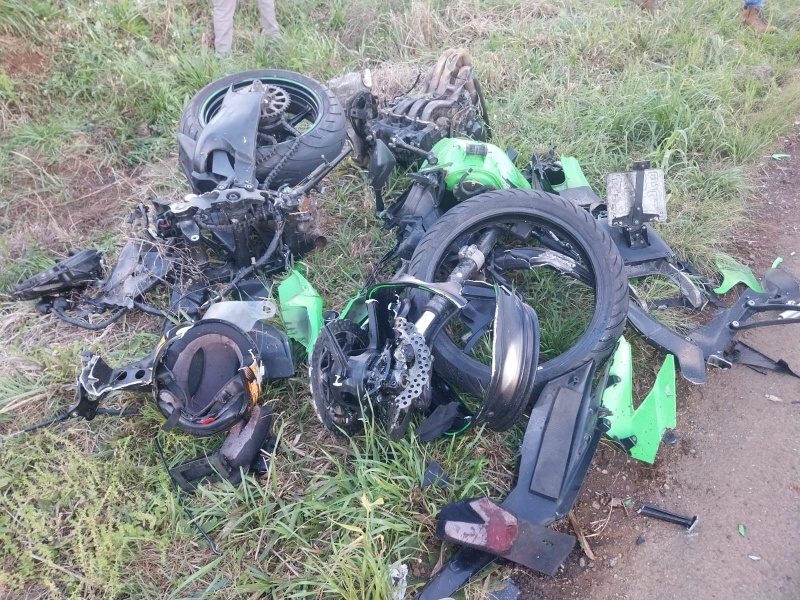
{"points": [[207, 376]]}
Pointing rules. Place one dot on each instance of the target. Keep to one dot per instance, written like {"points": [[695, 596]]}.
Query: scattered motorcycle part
{"points": [[239, 450], [305, 124], [140, 267], [243, 314], [301, 309], [206, 377], [77, 270], [648, 510], [449, 104], [560, 441], [583, 291], [383, 370], [484, 525], [639, 432], [515, 357], [339, 409], [470, 165], [734, 272]]}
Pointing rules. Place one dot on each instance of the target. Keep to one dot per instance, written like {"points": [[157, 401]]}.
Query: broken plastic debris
{"points": [[398, 577], [434, 475], [510, 591], [741, 530], [734, 272], [773, 398], [780, 156], [753, 557]]}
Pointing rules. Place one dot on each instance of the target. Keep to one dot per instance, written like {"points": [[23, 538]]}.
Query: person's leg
{"points": [[223, 25], [753, 17], [269, 22]]}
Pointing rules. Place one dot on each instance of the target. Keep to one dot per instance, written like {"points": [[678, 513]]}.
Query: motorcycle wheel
{"points": [[581, 318], [341, 416], [312, 110]]}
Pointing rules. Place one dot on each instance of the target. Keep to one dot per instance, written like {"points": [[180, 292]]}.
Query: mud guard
{"points": [[515, 357], [231, 131], [559, 443]]}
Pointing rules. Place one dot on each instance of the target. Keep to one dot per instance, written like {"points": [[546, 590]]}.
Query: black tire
{"points": [[570, 223], [323, 129], [341, 418]]}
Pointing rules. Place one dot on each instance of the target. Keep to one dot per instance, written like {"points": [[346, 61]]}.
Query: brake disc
{"points": [[415, 364]]}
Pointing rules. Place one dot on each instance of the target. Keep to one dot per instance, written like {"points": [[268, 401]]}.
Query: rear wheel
{"points": [[579, 294], [302, 122]]}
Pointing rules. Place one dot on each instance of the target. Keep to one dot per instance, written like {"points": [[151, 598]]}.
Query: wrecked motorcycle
{"points": [[254, 146]]}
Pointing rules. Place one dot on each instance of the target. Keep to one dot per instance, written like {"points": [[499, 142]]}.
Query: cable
{"points": [[197, 525]]}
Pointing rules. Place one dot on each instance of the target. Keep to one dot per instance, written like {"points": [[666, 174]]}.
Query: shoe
{"points": [[754, 19]]}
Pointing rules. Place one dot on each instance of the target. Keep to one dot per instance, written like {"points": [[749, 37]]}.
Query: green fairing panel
{"points": [[301, 309], [655, 414], [356, 309], [573, 174], [458, 157], [734, 272]]}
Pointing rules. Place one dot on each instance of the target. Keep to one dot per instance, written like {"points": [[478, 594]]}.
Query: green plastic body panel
{"points": [[301, 309], [458, 157], [573, 175], [655, 414], [734, 272]]}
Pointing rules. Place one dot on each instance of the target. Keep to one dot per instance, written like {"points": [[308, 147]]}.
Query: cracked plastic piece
{"points": [[575, 186], [244, 314], [301, 309], [78, 270], [734, 272], [640, 430], [141, 265]]}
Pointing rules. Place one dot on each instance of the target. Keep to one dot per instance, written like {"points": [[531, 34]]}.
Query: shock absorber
{"points": [[471, 261]]}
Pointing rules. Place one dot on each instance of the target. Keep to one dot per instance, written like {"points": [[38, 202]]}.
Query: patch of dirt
{"points": [[736, 462], [66, 203], [20, 58]]}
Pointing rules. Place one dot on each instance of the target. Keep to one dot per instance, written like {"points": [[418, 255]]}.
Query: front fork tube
{"points": [[472, 260]]}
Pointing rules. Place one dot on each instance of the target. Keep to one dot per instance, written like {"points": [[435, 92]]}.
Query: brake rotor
{"points": [[412, 375]]}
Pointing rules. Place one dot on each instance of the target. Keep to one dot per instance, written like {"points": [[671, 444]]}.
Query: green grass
{"points": [[89, 105]]}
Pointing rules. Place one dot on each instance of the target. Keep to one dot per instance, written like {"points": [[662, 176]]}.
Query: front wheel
{"points": [[340, 413], [555, 255]]}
